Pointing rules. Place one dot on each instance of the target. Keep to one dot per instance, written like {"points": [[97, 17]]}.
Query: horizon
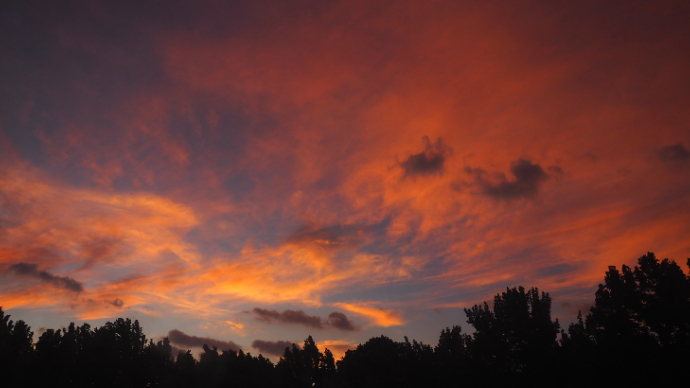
{"points": [[267, 171]]}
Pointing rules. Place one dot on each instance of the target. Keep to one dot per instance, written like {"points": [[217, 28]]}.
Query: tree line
{"points": [[637, 333]]}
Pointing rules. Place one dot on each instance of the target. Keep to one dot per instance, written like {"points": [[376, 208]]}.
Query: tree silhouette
{"points": [[382, 362], [158, 362], [640, 316], [451, 356], [306, 367], [15, 349], [376, 363], [517, 339], [185, 370]]}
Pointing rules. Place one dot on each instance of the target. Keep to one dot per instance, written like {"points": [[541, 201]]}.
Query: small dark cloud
{"points": [[276, 348], [336, 320], [528, 178], [116, 302], [340, 321], [288, 316], [28, 270], [431, 161], [676, 154], [181, 339]]}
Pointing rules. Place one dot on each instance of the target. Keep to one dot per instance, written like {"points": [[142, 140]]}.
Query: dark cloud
{"points": [[431, 161], [528, 178], [674, 154], [276, 348], [336, 320], [340, 321], [116, 302], [181, 339], [31, 271], [288, 316]]}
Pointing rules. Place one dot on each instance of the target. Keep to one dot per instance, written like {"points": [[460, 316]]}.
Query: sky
{"points": [[248, 173]]}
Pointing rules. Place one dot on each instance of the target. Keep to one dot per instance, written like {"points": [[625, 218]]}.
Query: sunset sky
{"points": [[254, 172]]}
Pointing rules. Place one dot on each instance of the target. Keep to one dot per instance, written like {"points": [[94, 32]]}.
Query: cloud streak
{"points": [[336, 320], [288, 316], [28, 270]]}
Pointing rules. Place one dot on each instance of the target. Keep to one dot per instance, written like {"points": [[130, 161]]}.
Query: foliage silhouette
{"points": [[641, 317], [306, 367], [637, 333], [517, 340], [15, 349]]}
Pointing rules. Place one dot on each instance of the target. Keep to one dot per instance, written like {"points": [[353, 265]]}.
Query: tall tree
{"points": [[517, 339], [641, 316], [16, 346], [305, 367], [451, 356]]}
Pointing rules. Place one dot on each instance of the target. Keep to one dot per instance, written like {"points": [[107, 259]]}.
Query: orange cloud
{"points": [[378, 316], [337, 347], [62, 227]]}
